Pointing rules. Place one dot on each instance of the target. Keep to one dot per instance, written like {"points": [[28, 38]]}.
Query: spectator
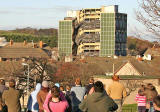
{"points": [[117, 92], [150, 93], [68, 98], [77, 94], [32, 104], [90, 85], [11, 97], [98, 101], [53, 103], [62, 90], [156, 104], [2, 86], [141, 100], [3, 107], [42, 95]]}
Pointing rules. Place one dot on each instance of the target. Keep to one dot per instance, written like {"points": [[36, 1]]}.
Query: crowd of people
{"points": [[91, 98]]}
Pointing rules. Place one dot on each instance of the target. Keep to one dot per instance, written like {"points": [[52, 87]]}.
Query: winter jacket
{"points": [[77, 94], [116, 90], [11, 98], [32, 104], [41, 96], [98, 102], [60, 106]]}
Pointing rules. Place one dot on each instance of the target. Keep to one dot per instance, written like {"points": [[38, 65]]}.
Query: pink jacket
{"points": [[55, 106]]}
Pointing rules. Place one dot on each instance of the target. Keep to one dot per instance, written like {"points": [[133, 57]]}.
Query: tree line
{"points": [[19, 36]]}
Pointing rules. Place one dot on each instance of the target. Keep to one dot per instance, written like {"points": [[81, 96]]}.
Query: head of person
{"points": [[45, 86], [156, 101], [2, 82], [55, 92], [91, 80], [115, 78], [57, 84], [78, 81], [98, 87], [68, 88], [141, 92], [12, 83], [61, 88]]}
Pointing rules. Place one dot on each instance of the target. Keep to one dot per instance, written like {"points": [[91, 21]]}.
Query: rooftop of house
{"points": [[20, 52]]}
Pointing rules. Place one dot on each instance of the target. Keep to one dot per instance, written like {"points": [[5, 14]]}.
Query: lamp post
{"points": [[25, 64]]}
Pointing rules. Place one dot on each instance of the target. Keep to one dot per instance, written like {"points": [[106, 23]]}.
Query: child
{"points": [[156, 104], [141, 100], [53, 103]]}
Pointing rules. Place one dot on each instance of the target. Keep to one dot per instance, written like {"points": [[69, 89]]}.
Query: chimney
{"points": [[41, 44], [11, 42], [35, 45], [25, 43]]}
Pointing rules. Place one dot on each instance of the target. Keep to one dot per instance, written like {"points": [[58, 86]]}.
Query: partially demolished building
{"points": [[93, 32]]}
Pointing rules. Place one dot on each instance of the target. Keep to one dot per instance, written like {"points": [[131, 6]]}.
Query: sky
{"points": [[47, 13]]}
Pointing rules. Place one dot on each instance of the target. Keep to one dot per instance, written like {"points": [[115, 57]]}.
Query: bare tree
{"points": [[149, 15]]}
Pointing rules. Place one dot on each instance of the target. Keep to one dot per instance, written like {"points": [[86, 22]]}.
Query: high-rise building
{"points": [[94, 32]]}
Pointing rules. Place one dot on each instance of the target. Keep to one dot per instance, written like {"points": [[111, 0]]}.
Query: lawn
{"points": [[129, 108]]}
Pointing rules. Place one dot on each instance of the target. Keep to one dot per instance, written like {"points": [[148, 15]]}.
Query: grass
{"points": [[129, 108]]}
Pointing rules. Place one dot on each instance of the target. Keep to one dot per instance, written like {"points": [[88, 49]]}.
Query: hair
{"points": [[78, 81], [156, 100], [12, 83], [2, 81], [115, 78], [61, 88], [91, 80], [141, 92], [98, 86], [55, 92]]}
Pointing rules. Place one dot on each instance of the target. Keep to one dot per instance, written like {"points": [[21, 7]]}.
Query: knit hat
{"points": [[57, 84], [45, 84]]}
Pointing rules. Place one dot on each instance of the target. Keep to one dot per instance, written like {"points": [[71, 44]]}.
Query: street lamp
{"points": [[25, 64]]}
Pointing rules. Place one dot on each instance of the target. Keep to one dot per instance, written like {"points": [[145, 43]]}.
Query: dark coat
{"points": [[11, 98], [98, 102]]}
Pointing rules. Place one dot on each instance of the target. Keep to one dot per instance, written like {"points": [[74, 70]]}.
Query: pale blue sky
{"points": [[47, 13]]}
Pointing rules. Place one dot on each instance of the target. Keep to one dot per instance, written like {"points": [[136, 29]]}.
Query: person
{"points": [[41, 96], [156, 104], [2, 86], [117, 92], [98, 101], [62, 90], [141, 100], [90, 85], [150, 92], [11, 97], [77, 95], [32, 104], [53, 103], [68, 98], [3, 107]]}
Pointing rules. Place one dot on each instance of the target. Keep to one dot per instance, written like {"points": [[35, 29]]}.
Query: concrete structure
{"points": [[105, 29]]}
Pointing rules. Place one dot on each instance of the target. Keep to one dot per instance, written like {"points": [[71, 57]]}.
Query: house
{"points": [[132, 66], [127, 69], [21, 50]]}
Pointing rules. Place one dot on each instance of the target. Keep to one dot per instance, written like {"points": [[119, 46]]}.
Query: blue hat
{"points": [[57, 84]]}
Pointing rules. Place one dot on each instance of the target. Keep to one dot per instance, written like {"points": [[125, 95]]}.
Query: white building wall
{"points": [[71, 13]]}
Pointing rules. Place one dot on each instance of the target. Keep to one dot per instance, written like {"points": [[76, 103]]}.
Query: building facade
{"points": [[96, 32]]}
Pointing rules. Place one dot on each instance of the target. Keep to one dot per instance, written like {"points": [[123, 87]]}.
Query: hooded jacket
{"points": [[32, 104], [98, 102], [11, 98]]}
